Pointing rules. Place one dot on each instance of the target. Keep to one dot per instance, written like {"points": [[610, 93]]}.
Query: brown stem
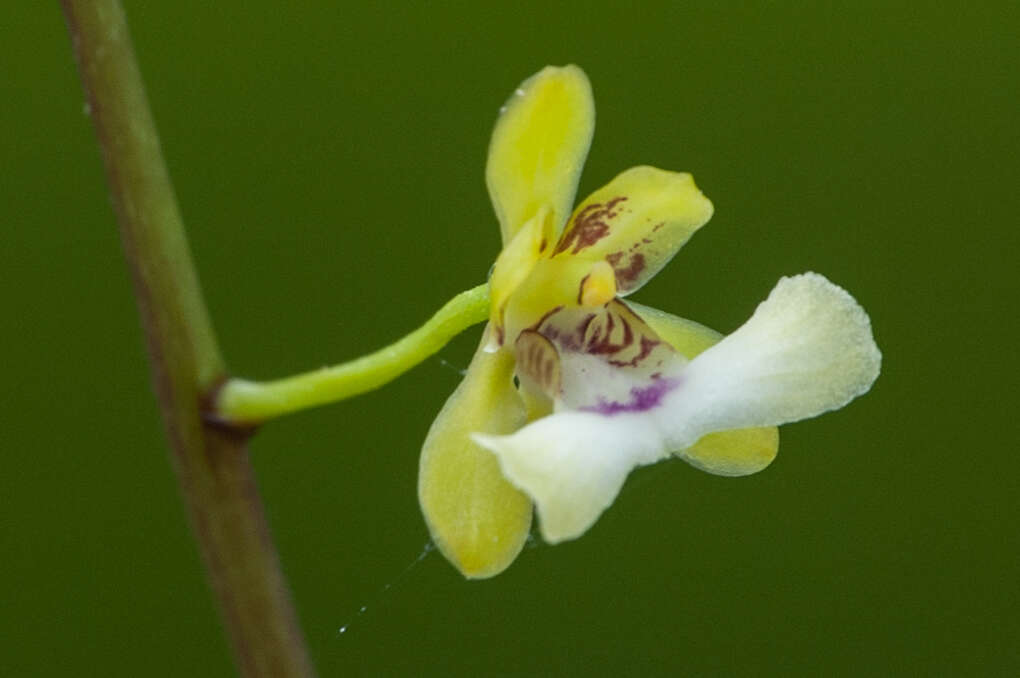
{"points": [[211, 461]]}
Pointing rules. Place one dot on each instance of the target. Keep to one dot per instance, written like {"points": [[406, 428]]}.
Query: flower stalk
{"points": [[242, 402], [211, 462]]}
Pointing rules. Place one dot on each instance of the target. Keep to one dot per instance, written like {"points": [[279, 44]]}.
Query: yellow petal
{"points": [[515, 263], [538, 147], [636, 222], [477, 519], [728, 453]]}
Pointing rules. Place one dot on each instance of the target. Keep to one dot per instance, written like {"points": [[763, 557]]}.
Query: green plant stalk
{"points": [[242, 402], [211, 462]]}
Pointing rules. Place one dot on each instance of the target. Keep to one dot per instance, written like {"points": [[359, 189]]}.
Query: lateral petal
{"points": [[477, 519], [636, 222], [538, 147]]}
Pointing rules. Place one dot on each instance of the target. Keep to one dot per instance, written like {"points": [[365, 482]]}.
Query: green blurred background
{"points": [[329, 163]]}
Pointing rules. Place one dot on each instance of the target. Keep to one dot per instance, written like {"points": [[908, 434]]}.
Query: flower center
{"points": [[599, 286]]}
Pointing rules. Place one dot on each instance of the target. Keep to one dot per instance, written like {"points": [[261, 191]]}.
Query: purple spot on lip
{"points": [[641, 399]]}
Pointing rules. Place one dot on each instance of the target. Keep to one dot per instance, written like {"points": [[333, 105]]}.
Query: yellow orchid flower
{"points": [[571, 387]]}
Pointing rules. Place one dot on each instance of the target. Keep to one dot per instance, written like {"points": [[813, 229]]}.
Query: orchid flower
{"points": [[572, 387]]}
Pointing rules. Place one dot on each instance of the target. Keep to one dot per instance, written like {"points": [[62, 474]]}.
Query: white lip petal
{"points": [[573, 465], [807, 349]]}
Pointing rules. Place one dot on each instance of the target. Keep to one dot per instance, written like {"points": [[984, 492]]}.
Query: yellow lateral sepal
{"points": [[477, 519]]}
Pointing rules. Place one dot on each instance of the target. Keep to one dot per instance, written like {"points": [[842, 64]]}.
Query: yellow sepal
{"points": [[477, 519], [728, 453], [538, 147]]}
